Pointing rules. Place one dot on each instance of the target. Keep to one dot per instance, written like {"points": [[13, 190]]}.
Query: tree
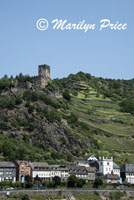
{"points": [[66, 95], [72, 181], [80, 183], [98, 182], [72, 118], [57, 181], [127, 106]]}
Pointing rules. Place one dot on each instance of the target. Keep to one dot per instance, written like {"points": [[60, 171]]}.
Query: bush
{"points": [[4, 126], [57, 181], [72, 181], [127, 106], [30, 96], [25, 197], [53, 116], [116, 195], [72, 118], [66, 95], [80, 183], [18, 100], [6, 102], [98, 182], [30, 109], [24, 78], [6, 83]]}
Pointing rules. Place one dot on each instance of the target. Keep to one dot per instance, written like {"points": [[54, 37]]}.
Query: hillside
{"points": [[71, 118]]}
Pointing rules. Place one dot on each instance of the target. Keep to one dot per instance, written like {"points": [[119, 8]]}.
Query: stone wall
{"points": [[64, 192]]}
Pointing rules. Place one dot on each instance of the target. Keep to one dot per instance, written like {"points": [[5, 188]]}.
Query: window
{"points": [[107, 163]]}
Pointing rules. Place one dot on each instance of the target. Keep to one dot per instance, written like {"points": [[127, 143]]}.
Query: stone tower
{"points": [[44, 75]]}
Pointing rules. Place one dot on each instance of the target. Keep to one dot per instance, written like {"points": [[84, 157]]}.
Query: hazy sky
{"points": [[107, 53]]}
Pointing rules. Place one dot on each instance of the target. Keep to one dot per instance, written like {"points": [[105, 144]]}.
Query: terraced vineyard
{"points": [[115, 129]]}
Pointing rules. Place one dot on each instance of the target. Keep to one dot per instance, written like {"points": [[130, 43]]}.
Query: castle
{"points": [[43, 76]]}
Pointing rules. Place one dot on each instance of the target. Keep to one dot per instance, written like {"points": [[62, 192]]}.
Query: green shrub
{"points": [[6, 102], [53, 116], [30, 95], [80, 183], [18, 100], [4, 126], [72, 181], [116, 195], [72, 118], [66, 94], [25, 197], [24, 78], [6, 83], [30, 109]]}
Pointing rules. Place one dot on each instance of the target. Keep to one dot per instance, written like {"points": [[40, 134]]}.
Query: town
{"points": [[89, 170]]}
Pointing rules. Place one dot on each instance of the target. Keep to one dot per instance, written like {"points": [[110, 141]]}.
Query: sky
{"points": [[108, 53]]}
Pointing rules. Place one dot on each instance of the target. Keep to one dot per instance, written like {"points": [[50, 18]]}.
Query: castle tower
{"points": [[44, 71], [44, 75], [105, 165]]}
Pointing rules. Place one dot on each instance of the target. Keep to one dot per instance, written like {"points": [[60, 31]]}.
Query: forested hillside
{"points": [[70, 119]]}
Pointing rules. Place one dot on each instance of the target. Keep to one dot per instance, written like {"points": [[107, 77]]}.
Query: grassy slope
{"points": [[105, 115]]}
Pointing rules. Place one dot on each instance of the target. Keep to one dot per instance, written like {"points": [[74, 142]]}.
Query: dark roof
{"points": [[127, 168], [91, 169], [58, 167], [44, 166], [38, 164], [81, 161], [77, 169], [7, 164], [111, 176], [115, 166]]}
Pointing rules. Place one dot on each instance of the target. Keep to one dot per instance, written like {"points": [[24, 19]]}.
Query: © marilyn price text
{"points": [[43, 24]]}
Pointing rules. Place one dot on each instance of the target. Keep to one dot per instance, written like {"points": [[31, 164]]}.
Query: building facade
{"points": [[47, 172], [127, 173], [23, 170], [7, 171]]}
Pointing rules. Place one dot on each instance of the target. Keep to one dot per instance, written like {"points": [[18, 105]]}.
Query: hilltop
{"points": [[68, 119]]}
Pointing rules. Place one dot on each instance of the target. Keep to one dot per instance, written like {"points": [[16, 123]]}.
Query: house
{"points": [[127, 173], [116, 169], [91, 173], [41, 170], [91, 161], [78, 171], [23, 170], [111, 178], [48, 172], [59, 170], [7, 171]]}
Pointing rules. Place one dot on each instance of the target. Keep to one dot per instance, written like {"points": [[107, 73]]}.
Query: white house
{"points": [[59, 170], [47, 172], [105, 165], [40, 169]]}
